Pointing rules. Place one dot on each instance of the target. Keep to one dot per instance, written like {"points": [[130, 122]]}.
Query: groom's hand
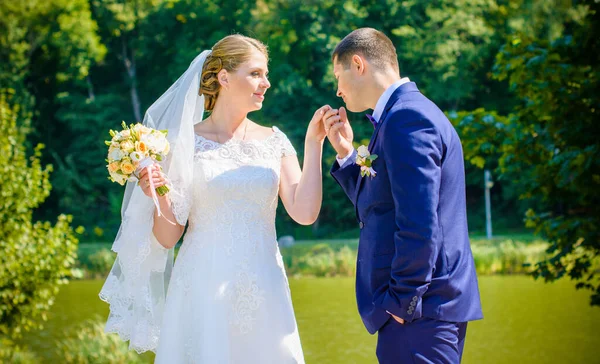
{"points": [[398, 319], [339, 131]]}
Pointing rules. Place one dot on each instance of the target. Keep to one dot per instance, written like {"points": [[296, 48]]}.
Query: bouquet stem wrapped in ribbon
{"points": [[133, 149]]}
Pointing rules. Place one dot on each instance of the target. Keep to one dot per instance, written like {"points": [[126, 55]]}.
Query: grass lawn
{"points": [[526, 321]]}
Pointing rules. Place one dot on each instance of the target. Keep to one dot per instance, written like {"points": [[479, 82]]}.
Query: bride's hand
{"points": [[158, 178], [316, 129]]}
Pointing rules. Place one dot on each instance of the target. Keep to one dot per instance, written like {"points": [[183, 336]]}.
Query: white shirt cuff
{"points": [[342, 161]]}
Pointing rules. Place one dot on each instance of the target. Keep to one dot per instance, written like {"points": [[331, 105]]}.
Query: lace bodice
{"points": [[236, 182]]}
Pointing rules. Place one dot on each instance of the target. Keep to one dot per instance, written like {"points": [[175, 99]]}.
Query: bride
{"points": [[228, 299]]}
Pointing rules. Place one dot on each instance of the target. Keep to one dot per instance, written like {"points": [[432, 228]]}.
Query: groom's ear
{"points": [[358, 64]]}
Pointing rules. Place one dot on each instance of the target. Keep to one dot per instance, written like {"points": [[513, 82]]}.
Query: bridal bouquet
{"points": [[134, 148]]}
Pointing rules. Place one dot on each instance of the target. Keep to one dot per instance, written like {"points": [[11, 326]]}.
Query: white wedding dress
{"points": [[228, 298]]}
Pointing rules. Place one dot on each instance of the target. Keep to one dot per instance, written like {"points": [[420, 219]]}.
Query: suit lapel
{"points": [[407, 87], [378, 127]]}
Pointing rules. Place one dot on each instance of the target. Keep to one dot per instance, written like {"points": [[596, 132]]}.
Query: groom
{"points": [[415, 280]]}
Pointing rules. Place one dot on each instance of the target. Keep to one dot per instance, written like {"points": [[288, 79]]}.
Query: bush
{"points": [[101, 262], [36, 257], [321, 260], [512, 254], [16, 355], [90, 344], [507, 257], [345, 261]]}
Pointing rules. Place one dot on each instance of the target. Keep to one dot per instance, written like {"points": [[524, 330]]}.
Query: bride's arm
{"points": [[301, 191], [164, 231], [167, 233]]}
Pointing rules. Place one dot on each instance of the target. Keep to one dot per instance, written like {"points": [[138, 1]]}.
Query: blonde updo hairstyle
{"points": [[228, 53]]}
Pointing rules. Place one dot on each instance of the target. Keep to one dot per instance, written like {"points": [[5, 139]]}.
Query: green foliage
{"points": [[80, 182], [47, 49], [507, 257], [320, 249], [323, 261], [126, 54], [512, 254], [90, 344], [36, 257], [345, 262], [543, 20], [441, 44], [482, 134], [91, 64], [102, 261], [553, 154], [37, 31], [9, 353]]}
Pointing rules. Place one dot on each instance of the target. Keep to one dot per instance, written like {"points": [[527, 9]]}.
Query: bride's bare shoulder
{"points": [[262, 132]]}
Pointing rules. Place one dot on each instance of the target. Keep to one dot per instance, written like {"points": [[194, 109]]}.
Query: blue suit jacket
{"points": [[414, 255]]}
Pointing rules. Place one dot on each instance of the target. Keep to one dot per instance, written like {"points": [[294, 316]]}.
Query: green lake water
{"points": [[525, 321]]}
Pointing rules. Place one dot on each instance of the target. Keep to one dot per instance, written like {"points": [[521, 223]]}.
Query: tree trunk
{"points": [[135, 101], [90, 87], [130, 66]]}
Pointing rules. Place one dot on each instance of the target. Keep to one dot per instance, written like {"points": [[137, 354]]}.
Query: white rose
{"points": [[119, 178], [157, 143], [149, 139], [125, 134], [161, 145], [363, 151], [116, 154], [135, 156]]}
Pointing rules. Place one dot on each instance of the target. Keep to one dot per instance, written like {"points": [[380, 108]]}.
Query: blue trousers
{"points": [[424, 340]]}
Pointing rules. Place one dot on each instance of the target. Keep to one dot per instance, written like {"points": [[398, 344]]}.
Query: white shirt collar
{"points": [[385, 97]]}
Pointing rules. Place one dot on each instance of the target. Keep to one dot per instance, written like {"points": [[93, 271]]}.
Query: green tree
{"points": [[47, 49], [553, 152], [161, 38], [35, 33], [546, 20], [120, 20], [92, 63], [79, 181], [36, 256], [483, 134], [446, 47]]}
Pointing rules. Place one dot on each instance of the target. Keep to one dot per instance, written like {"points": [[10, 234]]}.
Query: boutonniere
{"points": [[365, 159]]}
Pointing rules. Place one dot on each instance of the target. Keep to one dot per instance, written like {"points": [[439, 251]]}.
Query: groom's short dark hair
{"points": [[372, 44]]}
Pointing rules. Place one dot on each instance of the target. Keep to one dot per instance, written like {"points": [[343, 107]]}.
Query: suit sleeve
{"points": [[412, 155], [347, 175]]}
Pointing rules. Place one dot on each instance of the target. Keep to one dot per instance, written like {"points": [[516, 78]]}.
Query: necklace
{"points": [[217, 134]]}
